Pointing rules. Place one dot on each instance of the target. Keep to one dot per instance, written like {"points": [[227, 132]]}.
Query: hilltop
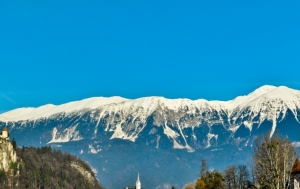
{"points": [[41, 168]]}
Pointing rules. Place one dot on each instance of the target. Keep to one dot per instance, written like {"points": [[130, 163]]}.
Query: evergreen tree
{"points": [[203, 168], [14, 143]]}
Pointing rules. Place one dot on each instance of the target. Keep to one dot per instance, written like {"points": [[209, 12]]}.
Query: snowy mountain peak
{"points": [[150, 104], [264, 93], [283, 93], [262, 90]]}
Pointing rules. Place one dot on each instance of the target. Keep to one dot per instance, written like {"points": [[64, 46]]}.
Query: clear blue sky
{"points": [[59, 51]]}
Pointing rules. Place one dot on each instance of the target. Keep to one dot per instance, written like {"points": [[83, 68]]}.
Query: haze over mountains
{"points": [[147, 129]]}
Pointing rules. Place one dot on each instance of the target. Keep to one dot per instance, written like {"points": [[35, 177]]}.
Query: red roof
{"points": [[4, 129], [296, 166]]}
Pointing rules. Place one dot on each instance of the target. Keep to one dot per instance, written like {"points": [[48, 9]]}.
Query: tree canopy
{"points": [[45, 168]]}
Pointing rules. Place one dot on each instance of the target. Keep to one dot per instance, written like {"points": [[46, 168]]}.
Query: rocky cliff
{"points": [[8, 155]]}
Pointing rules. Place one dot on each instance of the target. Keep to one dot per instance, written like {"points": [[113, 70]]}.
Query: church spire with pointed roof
{"points": [[138, 182]]}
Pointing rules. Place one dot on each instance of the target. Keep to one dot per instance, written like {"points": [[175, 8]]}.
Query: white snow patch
{"points": [[273, 126], [248, 125], [190, 149], [169, 132], [209, 137], [119, 133], [68, 134], [233, 128], [157, 141], [176, 145], [94, 150], [217, 149]]}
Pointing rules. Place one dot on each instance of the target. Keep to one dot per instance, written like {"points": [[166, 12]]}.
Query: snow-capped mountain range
{"points": [[96, 125], [126, 118]]}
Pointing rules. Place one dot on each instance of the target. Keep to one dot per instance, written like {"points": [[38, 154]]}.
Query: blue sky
{"points": [[60, 51]]}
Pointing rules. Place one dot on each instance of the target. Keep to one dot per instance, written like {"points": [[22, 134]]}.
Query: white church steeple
{"points": [[138, 183]]}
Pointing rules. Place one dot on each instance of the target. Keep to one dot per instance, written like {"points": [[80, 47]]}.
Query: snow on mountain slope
{"points": [[182, 123], [271, 104], [250, 97], [289, 97], [126, 119], [69, 134], [264, 93], [50, 109]]}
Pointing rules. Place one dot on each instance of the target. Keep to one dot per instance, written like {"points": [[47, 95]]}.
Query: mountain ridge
{"points": [[126, 119], [30, 113], [157, 125]]}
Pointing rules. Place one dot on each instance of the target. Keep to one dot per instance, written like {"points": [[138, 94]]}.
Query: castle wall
{"points": [[4, 134]]}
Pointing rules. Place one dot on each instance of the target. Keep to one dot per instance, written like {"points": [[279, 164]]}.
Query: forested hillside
{"points": [[46, 168]]}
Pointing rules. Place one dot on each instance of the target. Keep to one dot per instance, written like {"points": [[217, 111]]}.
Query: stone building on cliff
{"points": [[7, 153], [4, 134]]}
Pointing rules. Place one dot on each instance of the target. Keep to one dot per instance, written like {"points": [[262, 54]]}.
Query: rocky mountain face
{"points": [[130, 131]]}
